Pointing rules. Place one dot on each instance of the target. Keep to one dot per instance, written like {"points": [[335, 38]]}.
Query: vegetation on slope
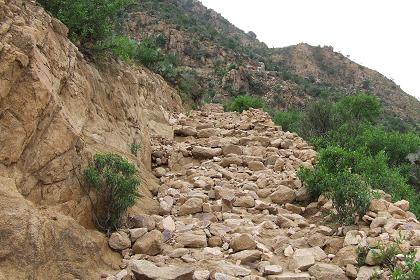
{"points": [[199, 52], [91, 23], [357, 154], [348, 130], [114, 181]]}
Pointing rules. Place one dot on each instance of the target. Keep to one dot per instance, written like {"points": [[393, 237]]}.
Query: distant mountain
{"points": [[216, 60]]}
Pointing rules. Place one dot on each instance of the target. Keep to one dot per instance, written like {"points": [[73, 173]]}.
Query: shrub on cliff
{"points": [[114, 181], [89, 22], [148, 52]]}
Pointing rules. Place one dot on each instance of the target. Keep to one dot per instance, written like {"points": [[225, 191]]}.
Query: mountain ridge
{"points": [[227, 61]]}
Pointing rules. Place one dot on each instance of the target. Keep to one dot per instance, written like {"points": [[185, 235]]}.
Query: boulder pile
{"points": [[232, 207]]}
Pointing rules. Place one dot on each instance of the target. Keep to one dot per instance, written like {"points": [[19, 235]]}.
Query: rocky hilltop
{"points": [[225, 61]]}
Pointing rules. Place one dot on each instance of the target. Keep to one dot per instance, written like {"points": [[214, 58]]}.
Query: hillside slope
{"points": [[219, 194], [234, 208], [221, 61], [56, 111]]}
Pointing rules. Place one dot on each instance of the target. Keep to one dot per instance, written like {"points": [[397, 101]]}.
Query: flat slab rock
{"points": [[144, 270], [291, 276]]}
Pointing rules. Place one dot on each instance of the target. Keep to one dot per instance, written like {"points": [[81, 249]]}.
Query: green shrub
{"points": [[114, 180], [189, 85], [288, 120], [396, 145], [134, 148], [387, 257], [278, 88], [358, 109], [148, 53], [168, 68], [411, 269], [318, 119], [373, 170], [89, 22], [122, 47], [257, 87], [244, 102], [161, 40], [349, 193], [412, 172]]}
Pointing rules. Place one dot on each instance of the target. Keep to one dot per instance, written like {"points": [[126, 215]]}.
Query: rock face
{"points": [[37, 243], [56, 110]]}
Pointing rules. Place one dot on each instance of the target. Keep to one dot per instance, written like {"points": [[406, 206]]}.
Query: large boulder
{"points": [[246, 201], [44, 243], [302, 259], [185, 131], [228, 161], [143, 269], [191, 206], [192, 239], [205, 152], [247, 256], [283, 195], [291, 276], [232, 149], [242, 242], [119, 241], [149, 244], [232, 269], [142, 221], [324, 271], [255, 165], [346, 255]]}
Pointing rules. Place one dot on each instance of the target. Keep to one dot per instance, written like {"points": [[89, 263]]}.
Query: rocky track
{"points": [[232, 207]]}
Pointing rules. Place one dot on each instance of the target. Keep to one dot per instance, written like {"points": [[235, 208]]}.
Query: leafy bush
{"points": [[244, 102], [411, 269], [395, 144], [134, 148], [349, 193], [257, 87], [318, 119], [373, 171], [122, 47], [189, 84], [358, 109], [412, 171], [387, 257], [89, 22], [148, 53], [288, 120], [114, 180]]}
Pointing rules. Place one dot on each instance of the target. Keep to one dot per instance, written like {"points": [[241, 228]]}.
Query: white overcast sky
{"points": [[383, 35]]}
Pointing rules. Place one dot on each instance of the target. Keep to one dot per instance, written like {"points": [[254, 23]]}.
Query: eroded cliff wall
{"points": [[56, 110]]}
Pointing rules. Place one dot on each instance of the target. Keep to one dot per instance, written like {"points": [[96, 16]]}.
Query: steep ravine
{"points": [[56, 110]]}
